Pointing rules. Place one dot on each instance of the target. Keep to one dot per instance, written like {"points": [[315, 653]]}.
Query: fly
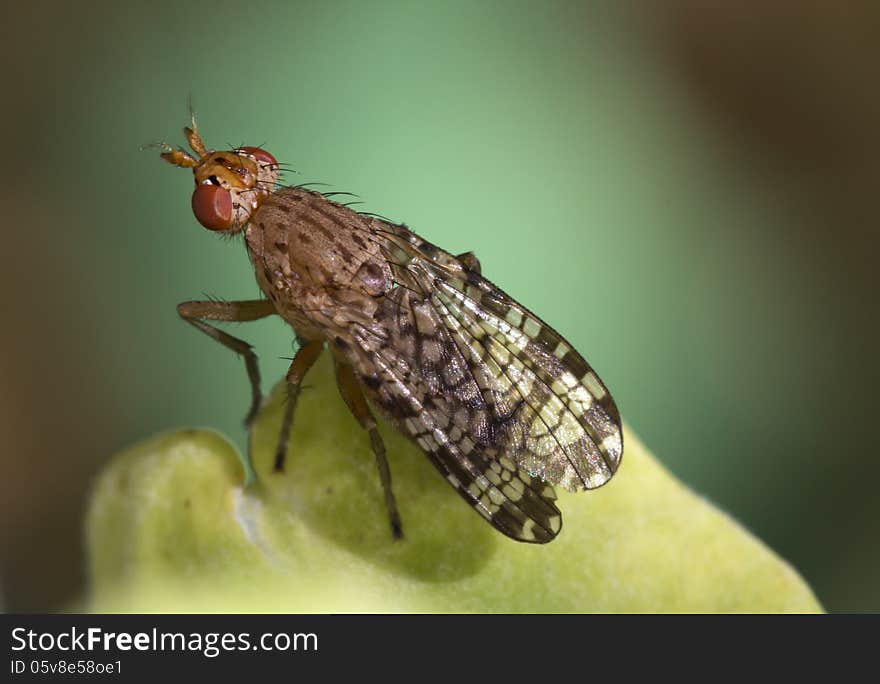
{"points": [[498, 401]]}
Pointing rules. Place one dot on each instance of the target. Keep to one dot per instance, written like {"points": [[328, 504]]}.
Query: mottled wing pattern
{"points": [[498, 400]]}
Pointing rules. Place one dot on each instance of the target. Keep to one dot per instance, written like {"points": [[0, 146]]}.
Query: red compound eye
{"points": [[260, 155], [212, 206]]}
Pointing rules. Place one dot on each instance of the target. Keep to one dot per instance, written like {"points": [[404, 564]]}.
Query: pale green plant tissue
{"points": [[172, 528]]}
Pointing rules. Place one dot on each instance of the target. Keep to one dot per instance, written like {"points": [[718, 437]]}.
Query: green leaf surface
{"points": [[171, 527]]}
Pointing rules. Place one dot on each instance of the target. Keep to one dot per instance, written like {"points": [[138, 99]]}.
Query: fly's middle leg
{"points": [[304, 359]]}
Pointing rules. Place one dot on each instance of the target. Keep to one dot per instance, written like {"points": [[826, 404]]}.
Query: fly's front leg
{"points": [[357, 404], [304, 359], [196, 313]]}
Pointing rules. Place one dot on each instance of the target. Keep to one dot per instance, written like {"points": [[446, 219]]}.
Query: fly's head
{"points": [[229, 185]]}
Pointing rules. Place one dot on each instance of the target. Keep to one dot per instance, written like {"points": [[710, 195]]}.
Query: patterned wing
{"points": [[487, 389]]}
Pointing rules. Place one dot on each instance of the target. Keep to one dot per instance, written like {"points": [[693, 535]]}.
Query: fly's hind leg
{"points": [[469, 259], [196, 313], [304, 359], [357, 404]]}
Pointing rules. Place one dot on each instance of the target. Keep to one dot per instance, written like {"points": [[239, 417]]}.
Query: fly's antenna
{"points": [[192, 132], [176, 156]]}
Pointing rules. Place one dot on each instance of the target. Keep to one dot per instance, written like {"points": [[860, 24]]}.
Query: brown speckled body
{"points": [[321, 272]]}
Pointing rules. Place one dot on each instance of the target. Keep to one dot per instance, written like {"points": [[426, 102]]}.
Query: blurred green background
{"points": [[687, 191]]}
